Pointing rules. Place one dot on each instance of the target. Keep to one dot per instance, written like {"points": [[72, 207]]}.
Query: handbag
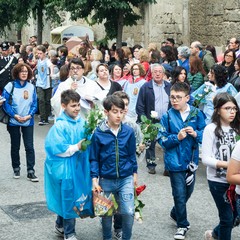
{"points": [[4, 117], [104, 206]]}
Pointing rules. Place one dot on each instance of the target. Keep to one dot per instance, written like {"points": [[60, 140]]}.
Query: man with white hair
{"points": [[205, 55], [153, 96]]}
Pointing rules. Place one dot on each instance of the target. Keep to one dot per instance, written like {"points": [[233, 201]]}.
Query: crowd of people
{"points": [[193, 92]]}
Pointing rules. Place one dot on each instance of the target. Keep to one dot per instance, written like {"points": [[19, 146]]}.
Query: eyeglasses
{"points": [[75, 68], [177, 98], [228, 55], [231, 109], [157, 71], [24, 71]]}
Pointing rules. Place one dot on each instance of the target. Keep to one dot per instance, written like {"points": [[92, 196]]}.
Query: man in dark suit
{"points": [[153, 96], [7, 62]]}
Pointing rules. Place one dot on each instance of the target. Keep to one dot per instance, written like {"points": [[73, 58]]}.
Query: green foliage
{"points": [[105, 11], [150, 130], [93, 119], [18, 11]]}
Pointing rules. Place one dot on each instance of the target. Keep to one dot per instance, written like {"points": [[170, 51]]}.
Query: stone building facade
{"points": [[209, 21]]}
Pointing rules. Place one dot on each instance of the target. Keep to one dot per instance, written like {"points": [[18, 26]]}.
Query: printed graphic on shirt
{"points": [[225, 146], [25, 94]]}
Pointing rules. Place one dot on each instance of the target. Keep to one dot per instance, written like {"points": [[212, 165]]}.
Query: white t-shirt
{"points": [[236, 156], [216, 149]]}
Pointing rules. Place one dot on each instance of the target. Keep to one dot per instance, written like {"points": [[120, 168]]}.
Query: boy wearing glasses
{"points": [[85, 87], [182, 131]]}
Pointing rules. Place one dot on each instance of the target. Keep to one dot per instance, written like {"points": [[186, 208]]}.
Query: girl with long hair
{"points": [[219, 139]]}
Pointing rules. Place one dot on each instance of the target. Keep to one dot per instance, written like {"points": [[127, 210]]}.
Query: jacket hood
{"points": [[65, 117]]}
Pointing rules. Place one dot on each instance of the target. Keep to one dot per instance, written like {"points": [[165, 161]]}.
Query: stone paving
{"points": [[24, 216]]}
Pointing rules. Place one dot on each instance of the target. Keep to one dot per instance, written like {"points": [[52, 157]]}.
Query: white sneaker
{"points": [[73, 237], [180, 234], [117, 235], [59, 231]]}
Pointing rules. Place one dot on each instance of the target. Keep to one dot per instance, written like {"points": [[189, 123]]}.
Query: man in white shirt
{"points": [[85, 87]]}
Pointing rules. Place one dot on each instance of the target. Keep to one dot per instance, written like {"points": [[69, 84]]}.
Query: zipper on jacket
{"points": [[117, 157]]}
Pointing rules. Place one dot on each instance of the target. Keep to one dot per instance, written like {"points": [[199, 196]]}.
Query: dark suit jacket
{"points": [[146, 99]]}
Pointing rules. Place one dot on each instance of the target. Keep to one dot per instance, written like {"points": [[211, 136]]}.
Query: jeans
{"points": [[68, 226], [181, 193], [224, 229], [123, 190], [150, 155], [44, 97], [15, 136]]}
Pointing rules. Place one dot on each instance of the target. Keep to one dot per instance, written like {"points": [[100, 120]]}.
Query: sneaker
{"points": [[16, 174], [117, 235], [180, 234], [151, 170], [31, 177], [59, 231], [73, 237], [42, 123], [208, 235]]}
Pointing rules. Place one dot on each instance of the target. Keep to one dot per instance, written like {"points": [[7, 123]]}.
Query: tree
{"points": [[113, 13], [19, 11]]}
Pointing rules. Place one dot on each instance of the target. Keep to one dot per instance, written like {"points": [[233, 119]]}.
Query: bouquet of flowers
{"points": [[138, 204], [93, 119], [149, 129]]}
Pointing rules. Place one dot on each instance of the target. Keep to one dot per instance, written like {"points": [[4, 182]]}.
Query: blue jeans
{"points": [[123, 190], [150, 155], [181, 193], [68, 226], [224, 229], [15, 136]]}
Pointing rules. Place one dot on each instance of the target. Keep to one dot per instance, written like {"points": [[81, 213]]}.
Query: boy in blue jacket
{"points": [[114, 165], [181, 132], [67, 181]]}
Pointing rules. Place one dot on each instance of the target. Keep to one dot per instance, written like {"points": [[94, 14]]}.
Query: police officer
{"points": [[7, 62]]}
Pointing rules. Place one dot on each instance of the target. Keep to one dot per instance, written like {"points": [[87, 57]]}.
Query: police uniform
{"points": [[5, 68]]}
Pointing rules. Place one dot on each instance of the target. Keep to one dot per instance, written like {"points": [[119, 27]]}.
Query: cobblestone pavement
{"points": [[23, 214]]}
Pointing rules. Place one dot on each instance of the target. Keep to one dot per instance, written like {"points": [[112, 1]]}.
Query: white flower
{"points": [[154, 114], [206, 90]]}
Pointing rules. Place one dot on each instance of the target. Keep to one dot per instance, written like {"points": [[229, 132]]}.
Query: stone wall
{"points": [[214, 22]]}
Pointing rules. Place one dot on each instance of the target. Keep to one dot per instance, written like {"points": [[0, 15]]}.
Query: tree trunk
{"points": [[119, 30], [40, 22], [19, 34]]}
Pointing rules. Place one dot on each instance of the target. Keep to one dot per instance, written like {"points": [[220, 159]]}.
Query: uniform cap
{"points": [[5, 46]]}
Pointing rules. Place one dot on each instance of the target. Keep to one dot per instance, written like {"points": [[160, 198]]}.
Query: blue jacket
{"points": [[24, 102], [178, 154], [113, 156], [146, 99]]}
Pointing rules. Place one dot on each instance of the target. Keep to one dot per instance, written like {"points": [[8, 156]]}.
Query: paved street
{"points": [[23, 215]]}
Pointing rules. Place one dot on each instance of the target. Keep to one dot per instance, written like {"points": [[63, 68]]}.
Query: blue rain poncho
{"points": [[67, 179]]}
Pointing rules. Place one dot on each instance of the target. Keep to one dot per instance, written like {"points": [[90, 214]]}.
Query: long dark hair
{"points": [[221, 75], [175, 74], [168, 50], [219, 100]]}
